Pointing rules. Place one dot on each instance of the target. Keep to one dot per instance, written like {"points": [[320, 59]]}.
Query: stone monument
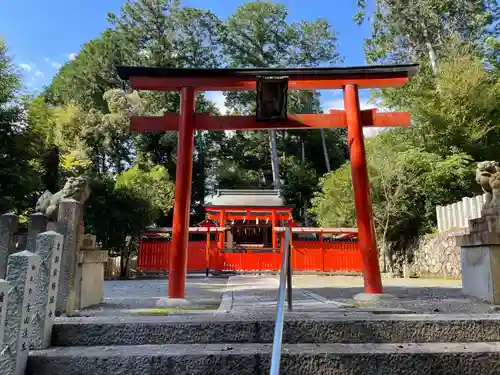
{"points": [[64, 211], [480, 248]]}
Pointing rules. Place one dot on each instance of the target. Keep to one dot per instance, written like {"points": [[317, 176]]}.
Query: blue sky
{"points": [[42, 35]]}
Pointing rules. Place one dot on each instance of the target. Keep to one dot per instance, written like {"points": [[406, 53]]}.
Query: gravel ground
{"points": [[418, 295]]}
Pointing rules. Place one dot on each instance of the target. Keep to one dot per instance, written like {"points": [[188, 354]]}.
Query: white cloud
{"points": [[39, 74], [218, 99], [72, 56], [363, 104], [53, 63], [26, 67]]}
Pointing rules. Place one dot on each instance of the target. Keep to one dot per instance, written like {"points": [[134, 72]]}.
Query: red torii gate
{"points": [[188, 81]]}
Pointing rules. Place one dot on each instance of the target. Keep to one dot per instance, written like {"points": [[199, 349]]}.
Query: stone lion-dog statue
{"points": [[76, 188], [488, 177]]}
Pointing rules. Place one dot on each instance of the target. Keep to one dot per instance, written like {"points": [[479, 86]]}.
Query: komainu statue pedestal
{"points": [[91, 262], [480, 258]]}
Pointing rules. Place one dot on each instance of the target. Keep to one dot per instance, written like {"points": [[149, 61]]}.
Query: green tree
{"points": [[163, 33], [152, 186], [84, 80], [116, 217], [419, 30], [18, 176], [406, 185], [456, 111], [259, 34]]}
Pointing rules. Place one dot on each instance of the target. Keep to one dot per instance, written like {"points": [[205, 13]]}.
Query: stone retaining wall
{"points": [[438, 255]]}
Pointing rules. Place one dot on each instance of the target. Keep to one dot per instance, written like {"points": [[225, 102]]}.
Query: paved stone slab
{"points": [[318, 328], [253, 359]]}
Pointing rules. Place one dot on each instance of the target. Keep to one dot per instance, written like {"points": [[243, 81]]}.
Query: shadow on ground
{"points": [[422, 300], [416, 295]]}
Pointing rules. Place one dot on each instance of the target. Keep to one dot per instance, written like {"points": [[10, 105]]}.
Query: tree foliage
{"points": [[406, 185], [152, 186], [419, 30], [19, 177], [259, 34], [112, 214], [454, 106]]}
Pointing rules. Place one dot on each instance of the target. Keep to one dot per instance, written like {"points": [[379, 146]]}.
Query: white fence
{"points": [[457, 215]]}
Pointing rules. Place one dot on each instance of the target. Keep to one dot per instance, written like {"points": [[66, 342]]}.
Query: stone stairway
{"points": [[344, 342]]}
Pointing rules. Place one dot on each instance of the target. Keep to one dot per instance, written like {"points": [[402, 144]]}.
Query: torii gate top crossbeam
{"points": [[173, 79]]}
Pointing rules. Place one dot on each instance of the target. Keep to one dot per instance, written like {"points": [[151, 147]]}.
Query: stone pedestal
{"points": [[91, 266], [480, 258], [68, 223]]}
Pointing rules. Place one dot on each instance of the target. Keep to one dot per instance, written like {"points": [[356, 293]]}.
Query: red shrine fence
{"points": [[314, 256]]}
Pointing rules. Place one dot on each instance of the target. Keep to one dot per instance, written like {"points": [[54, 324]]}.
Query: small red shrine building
{"points": [[243, 231], [249, 216]]}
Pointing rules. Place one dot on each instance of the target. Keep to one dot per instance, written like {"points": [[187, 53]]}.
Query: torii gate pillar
{"points": [[182, 199], [361, 186]]}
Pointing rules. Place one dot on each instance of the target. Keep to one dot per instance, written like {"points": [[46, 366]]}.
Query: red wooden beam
{"points": [[249, 209], [252, 218], [204, 121], [154, 124], [308, 82], [319, 230]]}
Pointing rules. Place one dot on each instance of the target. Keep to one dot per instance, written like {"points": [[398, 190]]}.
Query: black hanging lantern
{"points": [[272, 95]]}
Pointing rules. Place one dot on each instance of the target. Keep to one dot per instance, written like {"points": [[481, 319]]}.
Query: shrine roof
{"points": [[125, 72], [246, 198]]}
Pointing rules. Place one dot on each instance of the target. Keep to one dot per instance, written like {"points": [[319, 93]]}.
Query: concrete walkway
{"points": [[257, 294], [250, 294], [123, 297]]}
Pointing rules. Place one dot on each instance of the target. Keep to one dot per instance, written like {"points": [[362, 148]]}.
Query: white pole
{"points": [[467, 211], [461, 214], [438, 219], [454, 215], [479, 204], [449, 214], [473, 208]]}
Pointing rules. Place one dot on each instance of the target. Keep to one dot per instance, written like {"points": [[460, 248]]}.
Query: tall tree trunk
{"points": [[274, 159], [430, 49], [325, 151], [304, 202], [202, 169]]}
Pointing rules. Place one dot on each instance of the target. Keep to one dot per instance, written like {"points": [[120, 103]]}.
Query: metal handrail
{"points": [[285, 275]]}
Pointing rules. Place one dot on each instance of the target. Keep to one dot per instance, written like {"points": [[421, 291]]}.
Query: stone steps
{"points": [[300, 328], [354, 343], [252, 359]]}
